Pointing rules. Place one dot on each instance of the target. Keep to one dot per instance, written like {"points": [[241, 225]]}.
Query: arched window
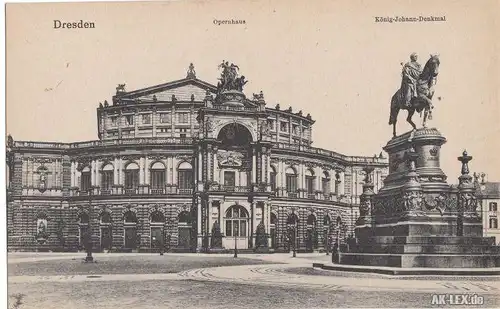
{"points": [[234, 134], [236, 221], [309, 181], [184, 217], [158, 177], [107, 179], [105, 218], [311, 220], [291, 182], [85, 182], [326, 220], [185, 177], [339, 221], [132, 177], [130, 217], [272, 178], [493, 206], [292, 219], [274, 219], [493, 223], [157, 217], [325, 183], [83, 218]]}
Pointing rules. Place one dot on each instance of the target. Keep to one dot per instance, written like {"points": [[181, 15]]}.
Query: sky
{"points": [[327, 58]]}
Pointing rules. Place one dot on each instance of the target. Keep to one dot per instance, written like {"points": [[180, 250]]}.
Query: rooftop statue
{"points": [[229, 79], [416, 91], [191, 73]]}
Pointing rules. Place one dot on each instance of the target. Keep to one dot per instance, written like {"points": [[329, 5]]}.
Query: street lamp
{"points": [[327, 238], [89, 257], [235, 241], [295, 228]]}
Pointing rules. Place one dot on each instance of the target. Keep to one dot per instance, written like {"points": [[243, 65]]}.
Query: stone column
{"points": [[153, 122], [199, 224], [216, 167], [92, 173], [73, 174], [141, 171], [254, 166], [116, 180], [136, 125]]}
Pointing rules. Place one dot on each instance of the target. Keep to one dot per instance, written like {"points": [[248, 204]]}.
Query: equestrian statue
{"points": [[416, 91]]}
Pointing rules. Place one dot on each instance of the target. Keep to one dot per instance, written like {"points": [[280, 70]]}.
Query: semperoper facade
{"points": [[189, 166]]}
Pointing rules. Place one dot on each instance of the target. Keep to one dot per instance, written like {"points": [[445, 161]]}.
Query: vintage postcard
{"points": [[252, 154]]}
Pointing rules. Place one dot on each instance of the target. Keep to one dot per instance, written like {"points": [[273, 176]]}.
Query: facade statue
{"points": [[191, 73], [120, 88], [229, 79], [416, 91]]}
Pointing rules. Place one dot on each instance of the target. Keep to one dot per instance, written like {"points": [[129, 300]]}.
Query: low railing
{"points": [[157, 191], [225, 188], [185, 190], [332, 154], [110, 142], [234, 108], [131, 191], [311, 196]]}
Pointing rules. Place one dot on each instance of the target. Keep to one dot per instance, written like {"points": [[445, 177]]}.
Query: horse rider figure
{"points": [[411, 73]]}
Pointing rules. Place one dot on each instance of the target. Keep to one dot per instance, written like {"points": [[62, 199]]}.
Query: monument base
{"points": [[417, 220]]}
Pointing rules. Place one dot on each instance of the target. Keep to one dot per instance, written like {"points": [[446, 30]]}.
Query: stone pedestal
{"points": [[417, 219]]}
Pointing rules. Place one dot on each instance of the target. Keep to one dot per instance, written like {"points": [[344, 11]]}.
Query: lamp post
{"points": [[295, 239], [327, 238], [89, 257], [235, 242]]}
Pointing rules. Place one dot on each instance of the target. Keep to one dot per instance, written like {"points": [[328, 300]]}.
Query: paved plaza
{"points": [[56, 280]]}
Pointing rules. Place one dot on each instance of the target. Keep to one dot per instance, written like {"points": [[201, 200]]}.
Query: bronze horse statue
{"points": [[423, 100]]}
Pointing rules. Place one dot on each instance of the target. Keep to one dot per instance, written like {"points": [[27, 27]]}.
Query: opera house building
{"points": [[186, 166]]}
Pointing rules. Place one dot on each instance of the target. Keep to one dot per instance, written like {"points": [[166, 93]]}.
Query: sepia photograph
{"points": [[252, 154]]}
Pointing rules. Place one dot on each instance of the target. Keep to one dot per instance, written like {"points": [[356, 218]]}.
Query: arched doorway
{"points": [[292, 232], [156, 223], [272, 231], [184, 229], [326, 234], [130, 227], [311, 237], [106, 231], [237, 227], [83, 227]]}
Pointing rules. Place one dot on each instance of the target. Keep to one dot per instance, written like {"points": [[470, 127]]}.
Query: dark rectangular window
{"points": [[185, 179], [326, 185], [284, 126], [229, 179], [183, 117], [107, 180], [493, 206], [165, 118], [291, 183], [310, 185], [229, 228], [130, 119], [146, 119], [157, 179], [131, 179], [272, 181], [85, 181]]}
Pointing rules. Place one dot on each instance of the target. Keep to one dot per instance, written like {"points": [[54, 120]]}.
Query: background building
{"points": [[187, 165], [488, 194]]}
